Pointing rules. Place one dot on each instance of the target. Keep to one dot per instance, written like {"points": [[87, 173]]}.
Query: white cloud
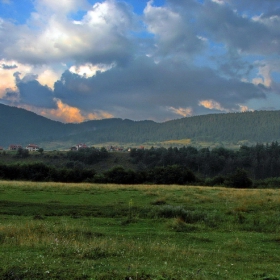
{"points": [[89, 70], [265, 72], [101, 37], [47, 75], [173, 31], [60, 7], [221, 2]]}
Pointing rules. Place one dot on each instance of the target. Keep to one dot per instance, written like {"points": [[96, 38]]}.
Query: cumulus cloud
{"points": [[89, 70], [149, 88], [66, 113], [30, 92], [237, 31], [9, 76], [101, 36], [60, 7], [177, 59], [173, 32]]}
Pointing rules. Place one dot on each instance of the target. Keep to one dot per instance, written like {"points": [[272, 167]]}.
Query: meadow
{"points": [[98, 231]]}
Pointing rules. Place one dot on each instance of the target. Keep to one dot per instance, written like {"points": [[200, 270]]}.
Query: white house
{"points": [[78, 147]]}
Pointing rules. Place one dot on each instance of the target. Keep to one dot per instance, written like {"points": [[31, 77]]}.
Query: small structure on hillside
{"points": [[14, 147], [32, 147], [115, 149], [78, 147]]}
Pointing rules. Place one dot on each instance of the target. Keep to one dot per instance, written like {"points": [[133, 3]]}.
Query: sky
{"points": [[79, 60]]}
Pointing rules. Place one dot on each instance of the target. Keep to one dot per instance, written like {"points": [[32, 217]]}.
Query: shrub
{"points": [[22, 153], [172, 174], [239, 179], [118, 175]]}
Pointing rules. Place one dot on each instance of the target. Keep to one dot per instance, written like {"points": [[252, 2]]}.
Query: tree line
{"points": [[256, 166], [168, 175], [260, 161]]}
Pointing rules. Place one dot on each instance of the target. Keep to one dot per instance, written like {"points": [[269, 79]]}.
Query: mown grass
{"points": [[95, 231]]}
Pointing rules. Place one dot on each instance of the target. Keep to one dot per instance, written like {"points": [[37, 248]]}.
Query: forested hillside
{"points": [[22, 127], [19, 126], [258, 126]]}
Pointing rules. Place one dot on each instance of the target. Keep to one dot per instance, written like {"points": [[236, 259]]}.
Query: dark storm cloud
{"points": [[232, 65], [145, 86], [30, 92], [11, 97], [8, 67]]}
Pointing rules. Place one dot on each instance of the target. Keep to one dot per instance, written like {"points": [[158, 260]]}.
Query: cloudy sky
{"points": [[75, 60]]}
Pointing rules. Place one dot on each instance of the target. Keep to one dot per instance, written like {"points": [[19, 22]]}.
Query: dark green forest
{"points": [[19, 126], [256, 166], [260, 161]]}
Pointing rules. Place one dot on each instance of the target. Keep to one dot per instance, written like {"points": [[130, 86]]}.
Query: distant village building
{"points": [[14, 147], [115, 149], [78, 147], [1, 148], [32, 148]]}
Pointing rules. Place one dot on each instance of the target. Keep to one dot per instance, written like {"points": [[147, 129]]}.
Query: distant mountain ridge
{"points": [[19, 126]]}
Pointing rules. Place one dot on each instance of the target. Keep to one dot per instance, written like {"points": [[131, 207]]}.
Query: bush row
{"points": [[173, 174], [117, 175]]}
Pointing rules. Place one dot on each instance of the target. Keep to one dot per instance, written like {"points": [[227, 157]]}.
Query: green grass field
{"points": [[93, 231]]}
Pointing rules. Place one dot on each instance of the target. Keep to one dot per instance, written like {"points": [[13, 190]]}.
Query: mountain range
{"points": [[19, 126]]}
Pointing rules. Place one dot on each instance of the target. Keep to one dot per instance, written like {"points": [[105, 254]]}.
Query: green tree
{"points": [[22, 153], [239, 179]]}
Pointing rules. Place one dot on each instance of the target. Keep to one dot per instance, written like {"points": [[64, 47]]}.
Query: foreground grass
{"points": [[91, 231]]}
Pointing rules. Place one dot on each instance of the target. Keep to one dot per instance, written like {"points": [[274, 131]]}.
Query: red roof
{"points": [[32, 146], [15, 146]]}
